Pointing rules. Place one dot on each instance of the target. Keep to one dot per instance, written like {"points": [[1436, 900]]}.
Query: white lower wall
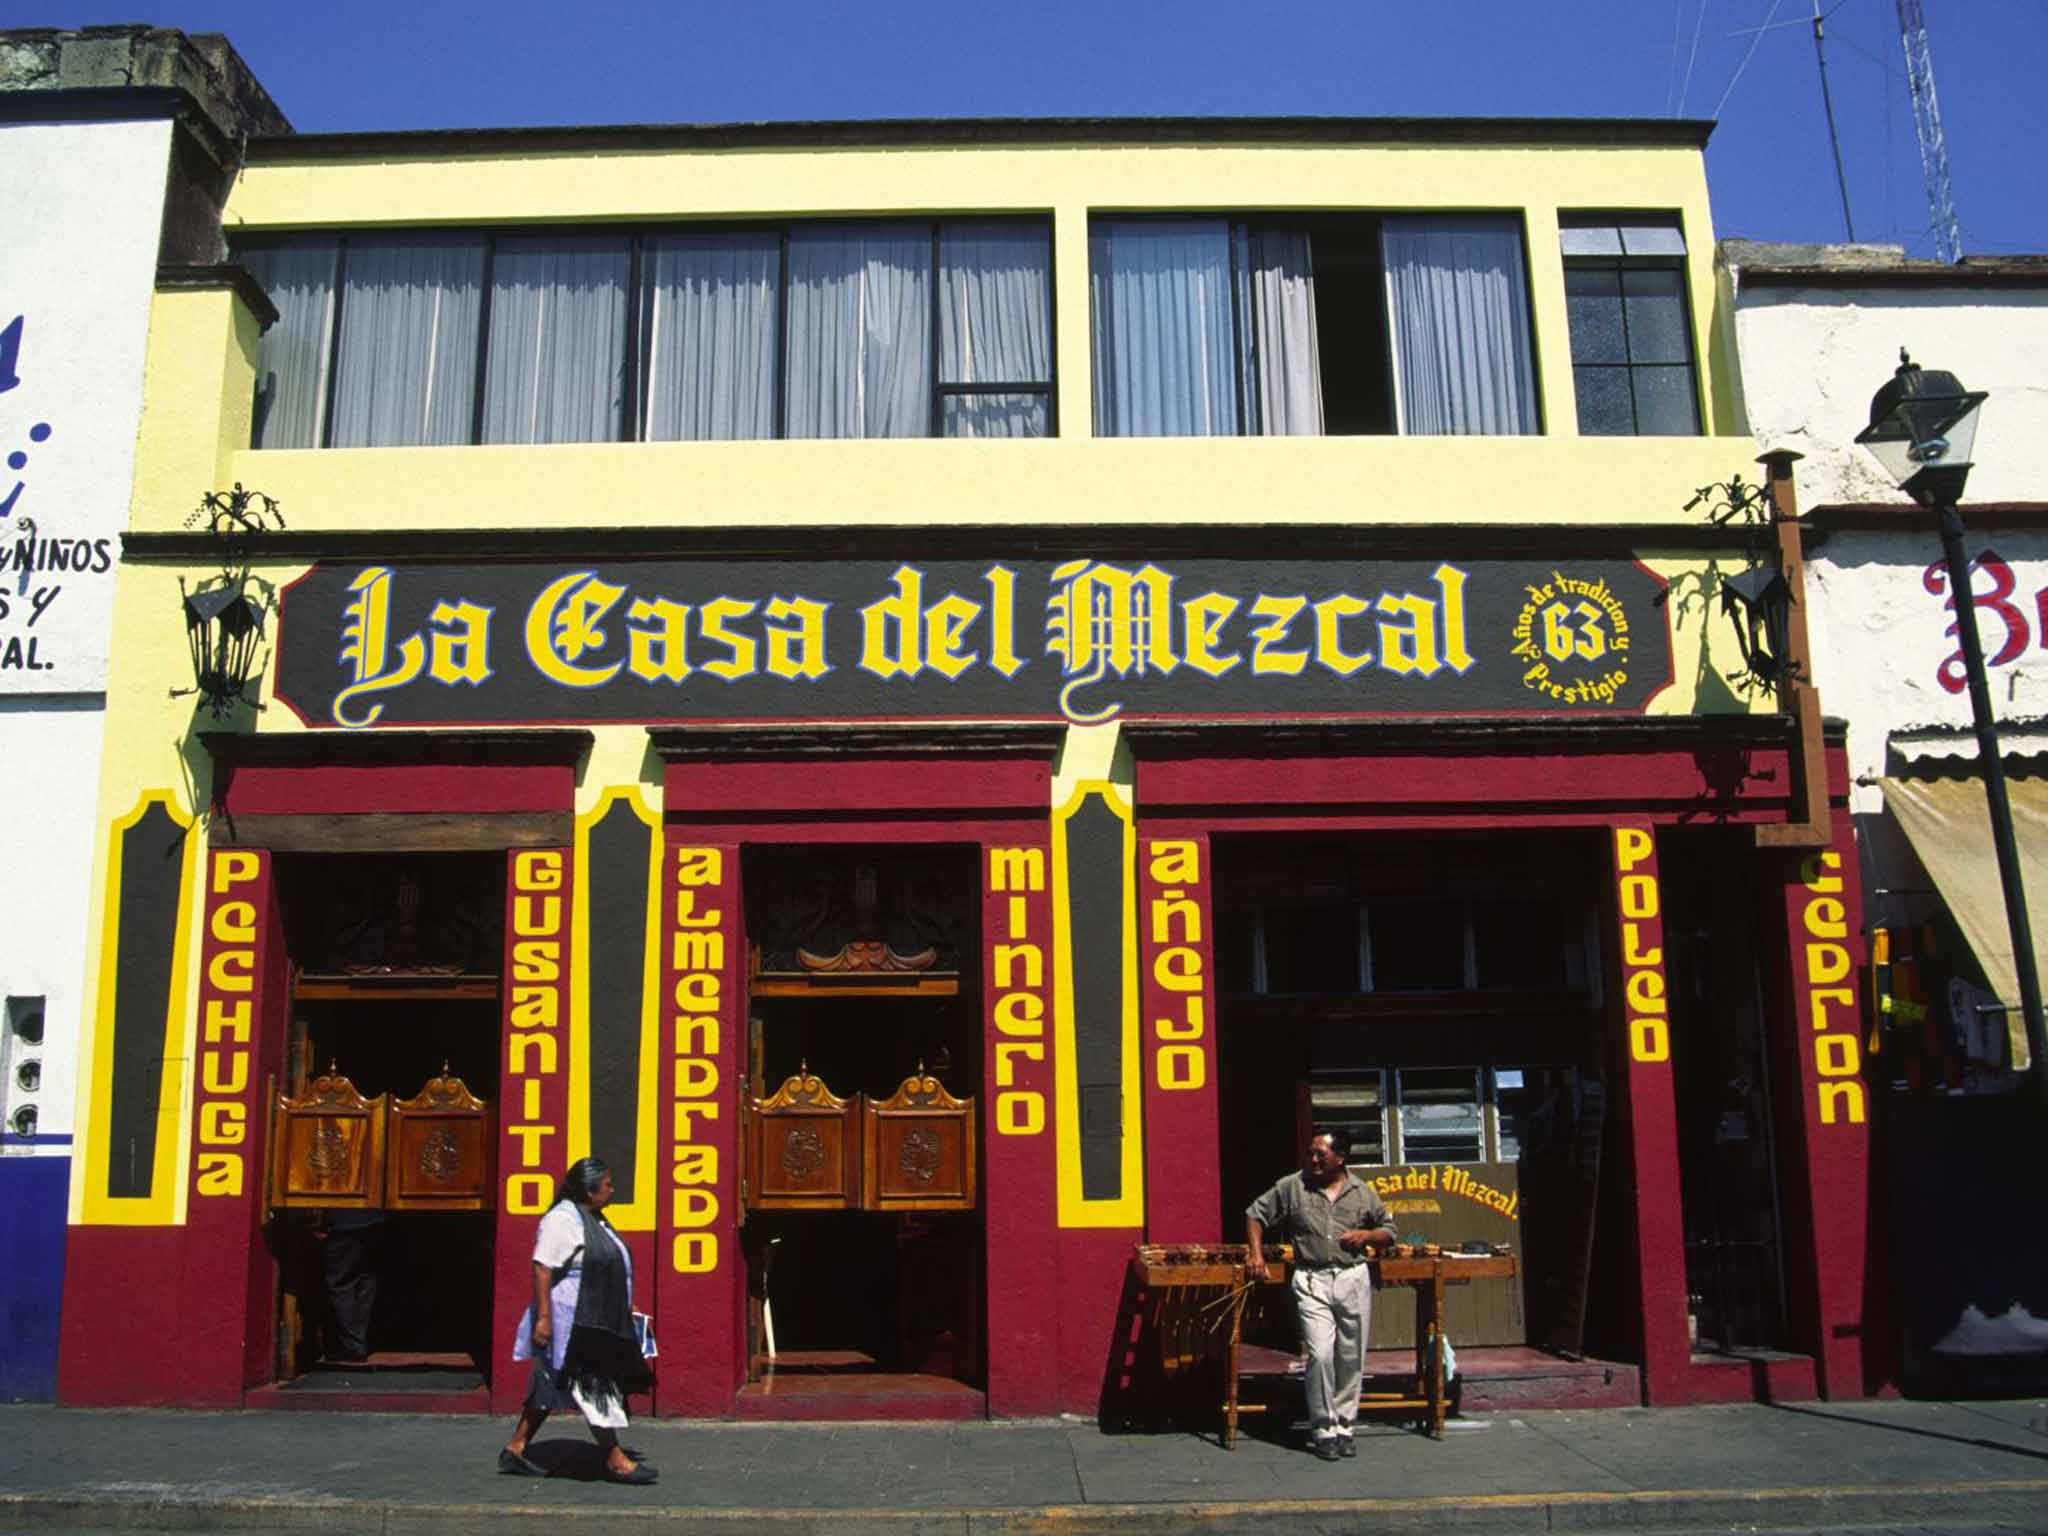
{"points": [[51, 752]]}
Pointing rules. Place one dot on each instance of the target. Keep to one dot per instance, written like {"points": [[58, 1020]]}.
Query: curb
{"points": [[1660, 1510]]}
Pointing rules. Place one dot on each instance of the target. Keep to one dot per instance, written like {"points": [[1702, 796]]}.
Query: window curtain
{"points": [[708, 321], [1282, 369], [1164, 357], [406, 371], [859, 342], [555, 367], [1459, 311], [995, 327], [291, 359]]}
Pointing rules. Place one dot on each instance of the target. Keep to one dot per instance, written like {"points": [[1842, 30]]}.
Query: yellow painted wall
{"points": [[1555, 478]]}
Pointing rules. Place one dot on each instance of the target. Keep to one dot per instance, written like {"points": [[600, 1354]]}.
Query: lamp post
{"points": [[1922, 425]]}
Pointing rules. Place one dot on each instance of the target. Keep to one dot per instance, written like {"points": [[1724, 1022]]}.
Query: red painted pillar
{"points": [[1183, 1174], [1649, 1117], [1825, 1156], [1020, 1185], [699, 1281], [533, 1092], [219, 1319]]}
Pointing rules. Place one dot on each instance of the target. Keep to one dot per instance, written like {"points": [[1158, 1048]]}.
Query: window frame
{"points": [[636, 358], [1619, 263], [1244, 345]]}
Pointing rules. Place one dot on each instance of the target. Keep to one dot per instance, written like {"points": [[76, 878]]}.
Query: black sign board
{"points": [[436, 643]]}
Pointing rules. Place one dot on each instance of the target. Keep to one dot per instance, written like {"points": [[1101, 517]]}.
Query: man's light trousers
{"points": [[1336, 1310]]}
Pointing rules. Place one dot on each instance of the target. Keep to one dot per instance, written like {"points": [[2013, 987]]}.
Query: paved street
{"points": [[1946, 1467]]}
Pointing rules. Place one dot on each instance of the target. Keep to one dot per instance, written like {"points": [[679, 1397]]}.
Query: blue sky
{"points": [[436, 63]]}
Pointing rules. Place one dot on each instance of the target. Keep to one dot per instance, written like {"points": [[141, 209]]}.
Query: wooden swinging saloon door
{"points": [[809, 1150]]}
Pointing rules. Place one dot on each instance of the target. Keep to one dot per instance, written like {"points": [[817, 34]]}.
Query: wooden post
{"points": [[1797, 694]]}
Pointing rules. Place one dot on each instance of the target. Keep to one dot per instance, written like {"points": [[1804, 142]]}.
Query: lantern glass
{"points": [[1760, 604], [222, 629], [1923, 426]]}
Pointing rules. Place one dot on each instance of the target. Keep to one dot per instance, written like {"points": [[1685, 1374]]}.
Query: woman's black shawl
{"points": [[602, 1347]]}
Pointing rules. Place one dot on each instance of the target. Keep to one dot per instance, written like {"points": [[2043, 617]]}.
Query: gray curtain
{"points": [[406, 369], [555, 368], [1283, 393], [1164, 354], [859, 341], [995, 326], [708, 321], [291, 359], [1458, 308]]}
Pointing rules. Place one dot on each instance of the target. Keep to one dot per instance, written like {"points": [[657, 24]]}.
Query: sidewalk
{"points": [[1672, 1469]]}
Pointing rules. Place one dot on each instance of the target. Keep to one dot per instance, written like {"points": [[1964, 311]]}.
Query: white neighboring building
{"points": [[116, 147], [1819, 330]]}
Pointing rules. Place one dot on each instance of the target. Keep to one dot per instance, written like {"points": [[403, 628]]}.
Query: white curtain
{"points": [[1277, 303], [1458, 308], [1164, 354], [291, 359], [859, 342], [406, 368], [555, 365], [708, 320], [995, 327]]}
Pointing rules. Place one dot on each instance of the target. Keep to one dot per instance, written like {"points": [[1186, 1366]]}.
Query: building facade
{"points": [[937, 693], [1820, 330], [115, 147]]}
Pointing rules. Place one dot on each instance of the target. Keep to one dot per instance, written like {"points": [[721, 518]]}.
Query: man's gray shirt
{"points": [[1295, 1211]]}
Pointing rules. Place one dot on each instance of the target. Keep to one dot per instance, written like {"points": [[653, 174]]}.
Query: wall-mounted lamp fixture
{"points": [[1761, 605], [224, 613]]}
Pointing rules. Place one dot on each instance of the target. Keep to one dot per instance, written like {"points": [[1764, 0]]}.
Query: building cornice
{"points": [[1108, 541], [951, 739], [989, 132], [1910, 517]]}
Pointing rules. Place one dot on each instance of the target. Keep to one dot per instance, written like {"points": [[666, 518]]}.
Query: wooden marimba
{"points": [[1197, 1296], [1195, 1311]]}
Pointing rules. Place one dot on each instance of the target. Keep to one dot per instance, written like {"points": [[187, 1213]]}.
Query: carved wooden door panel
{"points": [[330, 1148], [439, 1150], [919, 1149], [804, 1149]]}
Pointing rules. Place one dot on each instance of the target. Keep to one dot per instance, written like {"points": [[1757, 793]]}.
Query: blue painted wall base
{"points": [[33, 1196]]}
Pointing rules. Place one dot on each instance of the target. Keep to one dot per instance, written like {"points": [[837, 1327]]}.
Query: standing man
{"points": [[1332, 1217]]}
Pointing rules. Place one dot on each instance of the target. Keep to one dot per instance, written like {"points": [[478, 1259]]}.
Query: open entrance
{"points": [[385, 1127], [1439, 998], [1721, 1078], [863, 1227]]}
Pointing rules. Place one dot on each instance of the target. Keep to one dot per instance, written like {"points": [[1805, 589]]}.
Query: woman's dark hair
{"points": [[583, 1176]]}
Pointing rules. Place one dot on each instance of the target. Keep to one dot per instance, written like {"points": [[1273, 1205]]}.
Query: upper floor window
{"points": [[897, 329], [1330, 324], [1632, 359]]}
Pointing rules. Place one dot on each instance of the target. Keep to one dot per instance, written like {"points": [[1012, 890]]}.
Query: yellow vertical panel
{"points": [[1128, 1208], [639, 1214], [164, 1205]]}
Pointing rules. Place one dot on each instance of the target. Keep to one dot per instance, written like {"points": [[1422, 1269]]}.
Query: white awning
{"points": [[1949, 826]]}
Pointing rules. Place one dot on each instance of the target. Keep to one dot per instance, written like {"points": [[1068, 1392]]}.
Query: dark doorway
{"points": [[394, 975]]}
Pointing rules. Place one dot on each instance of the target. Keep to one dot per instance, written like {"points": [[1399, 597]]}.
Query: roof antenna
{"points": [[1941, 203], [1827, 102]]}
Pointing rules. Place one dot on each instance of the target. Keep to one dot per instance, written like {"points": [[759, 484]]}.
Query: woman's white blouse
{"points": [[557, 1244]]}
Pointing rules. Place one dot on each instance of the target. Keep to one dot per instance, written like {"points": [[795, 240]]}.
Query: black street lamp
{"points": [[1922, 426]]}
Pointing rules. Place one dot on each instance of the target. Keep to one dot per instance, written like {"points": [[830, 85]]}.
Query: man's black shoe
{"points": [[1327, 1449], [1346, 1448]]}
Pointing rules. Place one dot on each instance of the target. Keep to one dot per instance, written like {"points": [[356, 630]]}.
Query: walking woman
{"points": [[579, 1330]]}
